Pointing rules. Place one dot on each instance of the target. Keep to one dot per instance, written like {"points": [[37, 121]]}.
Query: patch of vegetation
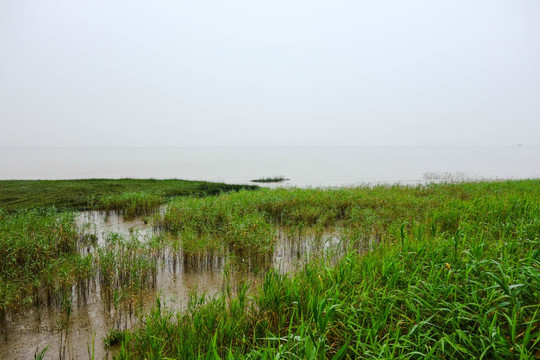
{"points": [[45, 261], [114, 337], [131, 204], [126, 266], [88, 194], [217, 225], [454, 272], [270, 179], [40, 261]]}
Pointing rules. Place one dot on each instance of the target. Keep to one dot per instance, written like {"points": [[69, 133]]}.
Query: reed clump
{"points": [[215, 225], [454, 272], [126, 266], [131, 204], [39, 259], [46, 261]]}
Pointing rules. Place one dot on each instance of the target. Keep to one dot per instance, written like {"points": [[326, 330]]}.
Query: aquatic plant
{"points": [[441, 270], [46, 261], [39, 258], [131, 204], [85, 194], [213, 225], [114, 337], [454, 273], [126, 267], [39, 355]]}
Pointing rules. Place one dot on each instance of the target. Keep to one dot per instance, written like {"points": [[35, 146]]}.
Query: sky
{"points": [[121, 73]]}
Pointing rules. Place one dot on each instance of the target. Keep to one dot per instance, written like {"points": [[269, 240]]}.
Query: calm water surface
{"points": [[303, 166]]}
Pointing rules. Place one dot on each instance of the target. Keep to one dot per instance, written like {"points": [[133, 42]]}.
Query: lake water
{"points": [[303, 166]]}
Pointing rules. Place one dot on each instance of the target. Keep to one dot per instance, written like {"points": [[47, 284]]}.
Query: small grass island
{"points": [[274, 179]]}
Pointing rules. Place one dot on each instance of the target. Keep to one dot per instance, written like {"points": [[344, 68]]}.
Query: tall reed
{"points": [[453, 273], [131, 204], [39, 258]]}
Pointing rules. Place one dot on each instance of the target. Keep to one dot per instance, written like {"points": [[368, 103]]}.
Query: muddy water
{"points": [[91, 318]]}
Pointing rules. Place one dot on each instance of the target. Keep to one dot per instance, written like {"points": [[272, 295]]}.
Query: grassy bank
{"points": [[88, 194], [453, 273]]}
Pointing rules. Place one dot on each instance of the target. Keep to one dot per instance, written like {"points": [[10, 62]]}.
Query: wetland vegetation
{"points": [[86, 194], [275, 179], [437, 270]]}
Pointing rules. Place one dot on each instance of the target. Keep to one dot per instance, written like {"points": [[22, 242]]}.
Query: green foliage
{"points": [[39, 355], [436, 271], [39, 258], [131, 204], [114, 337], [453, 272], [86, 194], [126, 266], [218, 223], [45, 259]]}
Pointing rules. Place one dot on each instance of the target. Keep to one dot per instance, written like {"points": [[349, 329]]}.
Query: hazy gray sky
{"points": [[273, 73]]}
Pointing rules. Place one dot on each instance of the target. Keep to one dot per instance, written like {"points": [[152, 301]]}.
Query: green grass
{"points": [[43, 256], [40, 259], [114, 337], [88, 194], [454, 273], [46, 260], [244, 221], [438, 271], [131, 204]]}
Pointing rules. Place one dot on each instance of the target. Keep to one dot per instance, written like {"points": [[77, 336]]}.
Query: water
{"points": [[303, 166], [175, 282]]}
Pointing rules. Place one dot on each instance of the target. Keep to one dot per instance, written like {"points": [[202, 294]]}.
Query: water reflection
{"points": [[96, 307]]}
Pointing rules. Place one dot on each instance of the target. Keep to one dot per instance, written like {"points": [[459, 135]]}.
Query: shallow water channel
{"points": [[92, 317]]}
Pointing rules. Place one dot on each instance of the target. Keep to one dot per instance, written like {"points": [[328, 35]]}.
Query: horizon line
{"points": [[261, 146]]}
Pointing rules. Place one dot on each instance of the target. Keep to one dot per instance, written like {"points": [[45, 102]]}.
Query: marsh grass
{"points": [[85, 194], [114, 337], [213, 226], [40, 354], [131, 204], [442, 270], [39, 258], [126, 268], [452, 272], [47, 261]]}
